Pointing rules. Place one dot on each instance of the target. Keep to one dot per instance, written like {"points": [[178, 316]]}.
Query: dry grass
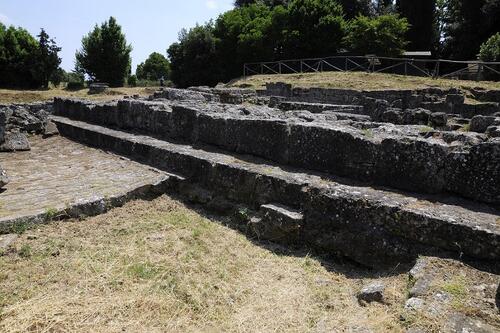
{"points": [[160, 267], [30, 96], [360, 81]]}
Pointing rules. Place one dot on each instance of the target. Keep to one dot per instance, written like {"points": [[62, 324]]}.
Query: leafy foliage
{"points": [[383, 35], [105, 54], [490, 50], [314, 28], [193, 58], [255, 32], [48, 60], [132, 81], [467, 24], [24, 61], [75, 81], [154, 68]]}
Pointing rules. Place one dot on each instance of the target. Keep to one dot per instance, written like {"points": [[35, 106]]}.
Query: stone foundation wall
{"points": [[399, 157], [373, 227], [450, 101]]}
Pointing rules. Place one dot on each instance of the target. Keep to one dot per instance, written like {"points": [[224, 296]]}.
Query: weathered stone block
{"points": [[15, 141], [481, 123]]}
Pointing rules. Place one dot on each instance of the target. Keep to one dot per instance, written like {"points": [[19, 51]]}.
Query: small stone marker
{"points": [[374, 292]]}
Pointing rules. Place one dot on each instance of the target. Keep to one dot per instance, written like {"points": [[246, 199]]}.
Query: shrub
{"points": [[76, 81], [383, 35], [132, 81], [490, 50]]}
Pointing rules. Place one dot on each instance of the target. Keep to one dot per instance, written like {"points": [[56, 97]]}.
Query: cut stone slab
{"points": [[374, 292], [459, 323], [50, 129], [278, 223], [15, 141], [62, 175]]}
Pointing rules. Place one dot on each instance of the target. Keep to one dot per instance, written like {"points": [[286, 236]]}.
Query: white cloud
{"points": [[212, 4], [5, 19]]}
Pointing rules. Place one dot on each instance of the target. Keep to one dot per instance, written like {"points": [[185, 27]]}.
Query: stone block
{"points": [[481, 123], [15, 141]]}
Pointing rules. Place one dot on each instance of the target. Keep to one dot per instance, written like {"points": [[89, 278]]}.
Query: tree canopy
{"points": [[26, 62], [155, 67], [105, 54], [262, 31]]}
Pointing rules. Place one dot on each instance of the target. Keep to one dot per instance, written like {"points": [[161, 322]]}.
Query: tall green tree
{"points": [[271, 3], [421, 17], [18, 58], [246, 34], [469, 23], [383, 35], [193, 58], [48, 59], [105, 54], [155, 67], [315, 28]]}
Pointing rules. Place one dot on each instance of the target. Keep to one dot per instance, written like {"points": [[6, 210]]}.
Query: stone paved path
{"points": [[58, 172]]}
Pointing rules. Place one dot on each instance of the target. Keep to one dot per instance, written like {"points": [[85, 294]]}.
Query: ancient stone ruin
{"points": [[380, 177]]}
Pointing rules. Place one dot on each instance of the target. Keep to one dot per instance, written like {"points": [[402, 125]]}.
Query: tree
{"points": [[468, 23], [155, 67], [383, 35], [246, 34], [271, 3], [315, 28], [18, 58], [48, 59], [421, 17], [353, 8], [105, 54], [490, 50], [193, 58], [384, 6]]}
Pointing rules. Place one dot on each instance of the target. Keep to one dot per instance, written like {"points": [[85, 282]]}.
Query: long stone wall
{"points": [[373, 227], [388, 155]]}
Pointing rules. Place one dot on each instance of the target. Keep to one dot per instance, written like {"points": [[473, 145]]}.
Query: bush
{"points": [[490, 50], [155, 67], [132, 81], [76, 81], [383, 35]]}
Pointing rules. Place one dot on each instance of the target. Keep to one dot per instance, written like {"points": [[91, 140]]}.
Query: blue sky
{"points": [[150, 25]]}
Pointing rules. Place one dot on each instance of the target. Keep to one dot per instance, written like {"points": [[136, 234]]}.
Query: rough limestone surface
{"points": [[15, 141], [481, 123], [371, 226], [4, 179], [407, 157], [17, 120], [374, 292]]}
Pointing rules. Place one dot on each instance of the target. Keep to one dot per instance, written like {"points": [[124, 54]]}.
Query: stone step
{"points": [[397, 156], [372, 226], [319, 107]]}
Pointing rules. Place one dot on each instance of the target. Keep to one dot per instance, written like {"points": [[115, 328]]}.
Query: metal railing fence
{"points": [[434, 68]]}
